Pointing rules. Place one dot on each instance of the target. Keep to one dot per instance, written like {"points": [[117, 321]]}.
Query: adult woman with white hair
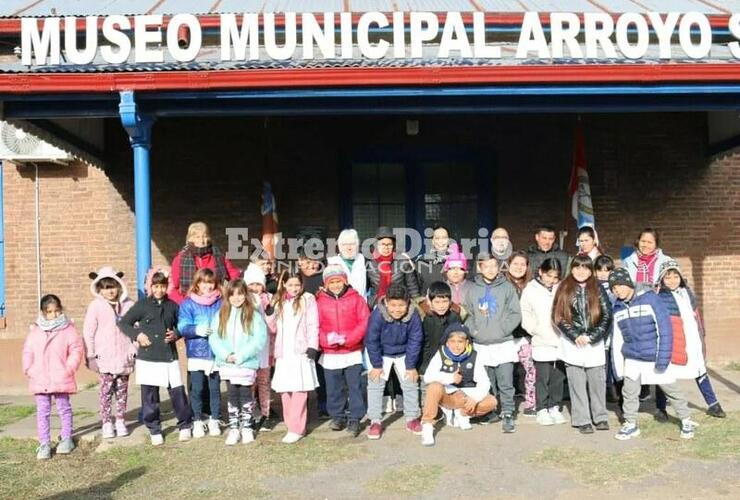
{"points": [[351, 260]]}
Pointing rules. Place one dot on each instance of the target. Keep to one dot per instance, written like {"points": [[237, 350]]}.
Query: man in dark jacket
{"points": [[546, 248], [394, 339], [151, 322], [386, 269]]}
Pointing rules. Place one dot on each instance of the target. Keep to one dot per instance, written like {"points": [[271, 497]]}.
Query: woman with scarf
{"points": [[644, 263], [198, 253]]}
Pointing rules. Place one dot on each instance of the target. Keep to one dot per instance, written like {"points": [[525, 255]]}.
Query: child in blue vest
{"points": [[394, 340], [456, 382], [642, 348]]}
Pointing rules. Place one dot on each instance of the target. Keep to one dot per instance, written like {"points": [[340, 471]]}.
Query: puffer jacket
{"points": [[50, 359], [493, 310], [581, 322], [536, 304], [345, 314], [246, 347], [403, 273], [307, 331], [645, 326], [394, 337], [680, 352], [191, 317]]}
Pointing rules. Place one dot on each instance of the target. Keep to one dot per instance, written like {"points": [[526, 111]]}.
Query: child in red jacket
{"points": [[52, 354], [343, 317]]}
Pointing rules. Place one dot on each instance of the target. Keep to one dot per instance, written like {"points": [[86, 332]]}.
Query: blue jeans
{"points": [[335, 395], [197, 381]]}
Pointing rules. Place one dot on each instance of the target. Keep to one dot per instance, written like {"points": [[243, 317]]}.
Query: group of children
{"points": [[455, 357]]}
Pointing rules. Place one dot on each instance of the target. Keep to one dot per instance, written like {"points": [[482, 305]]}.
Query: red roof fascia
{"points": [[9, 26], [29, 83]]}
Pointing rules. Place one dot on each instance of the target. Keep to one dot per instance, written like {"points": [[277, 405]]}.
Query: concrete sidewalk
{"points": [[87, 423]]}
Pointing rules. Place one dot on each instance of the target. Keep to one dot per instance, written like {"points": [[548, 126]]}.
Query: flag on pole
{"points": [[579, 188], [269, 219]]}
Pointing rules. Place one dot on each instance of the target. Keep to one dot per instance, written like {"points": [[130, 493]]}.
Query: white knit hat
{"points": [[254, 274]]}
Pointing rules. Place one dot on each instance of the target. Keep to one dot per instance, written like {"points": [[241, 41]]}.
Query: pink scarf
{"points": [[206, 300], [646, 267]]}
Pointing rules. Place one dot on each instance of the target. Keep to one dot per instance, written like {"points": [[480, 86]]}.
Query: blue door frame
{"points": [[412, 157]]}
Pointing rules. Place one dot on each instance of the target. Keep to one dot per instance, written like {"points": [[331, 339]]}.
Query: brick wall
{"points": [[645, 170]]}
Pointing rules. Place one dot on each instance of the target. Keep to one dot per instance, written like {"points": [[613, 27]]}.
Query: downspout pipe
{"points": [[2, 243]]}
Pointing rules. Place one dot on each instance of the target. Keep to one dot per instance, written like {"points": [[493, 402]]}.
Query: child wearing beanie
{"points": [[642, 349], [456, 383], [343, 317]]}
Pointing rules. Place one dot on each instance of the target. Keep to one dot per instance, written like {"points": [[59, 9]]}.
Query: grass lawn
{"points": [[10, 413], [406, 480], [660, 445], [175, 470]]}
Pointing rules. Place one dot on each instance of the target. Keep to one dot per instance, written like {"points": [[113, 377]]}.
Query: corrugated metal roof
{"points": [[19, 8], [209, 59]]}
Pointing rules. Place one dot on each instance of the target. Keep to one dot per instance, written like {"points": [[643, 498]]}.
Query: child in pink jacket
{"points": [[109, 352], [52, 354]]}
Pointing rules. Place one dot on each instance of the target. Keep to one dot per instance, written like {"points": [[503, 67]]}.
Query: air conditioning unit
{"points": [[21, 147]]}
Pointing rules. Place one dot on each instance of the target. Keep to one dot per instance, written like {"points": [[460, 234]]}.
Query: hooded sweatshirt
{"points": [[493, 310]]}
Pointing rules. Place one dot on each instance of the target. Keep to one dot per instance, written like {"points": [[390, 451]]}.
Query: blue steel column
{"points": [[139, 129]]}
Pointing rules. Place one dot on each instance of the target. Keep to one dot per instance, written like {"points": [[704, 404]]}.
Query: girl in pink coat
{"points": [[109, 352], [52, 354]]}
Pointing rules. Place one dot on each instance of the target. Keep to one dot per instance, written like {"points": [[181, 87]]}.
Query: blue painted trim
{"points": [[139, 129], [2, 240]]}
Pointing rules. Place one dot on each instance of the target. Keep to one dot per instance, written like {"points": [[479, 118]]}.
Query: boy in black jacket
{"points": [[439, 297], [151, 323]]}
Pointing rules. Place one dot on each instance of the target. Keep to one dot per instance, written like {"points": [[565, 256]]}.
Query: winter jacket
{"points": [[357, 276], [402, 273], [346, 314], [307, 334], [153, 318], [645, 328], [493, 310], [538, 256], [434, 327], [536, 304], [388, 337], [246, 347], [429, 268], [50, 359], [680, 351], [631, 262], [592, 354], [194, 318], [205, 262], [112, 350]]}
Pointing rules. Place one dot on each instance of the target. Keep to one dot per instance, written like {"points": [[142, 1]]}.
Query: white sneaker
{"points": [[157, 439], [449, 417], [185, 435], [108, 430], [213, 427], [462, 422], [199, 429], [557, 417], [427, 434], [291, 438], [232, 437], [545, 418], [687, 428], [247, 436]]}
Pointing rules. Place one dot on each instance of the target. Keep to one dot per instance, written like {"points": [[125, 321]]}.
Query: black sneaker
{"points": [[353, 427], [268, 424], [337, 425], [586, 429], [602, 426], [645, 393], [716, 411], [508, 425], [491, 418], [529, 412], [661, 416]]}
